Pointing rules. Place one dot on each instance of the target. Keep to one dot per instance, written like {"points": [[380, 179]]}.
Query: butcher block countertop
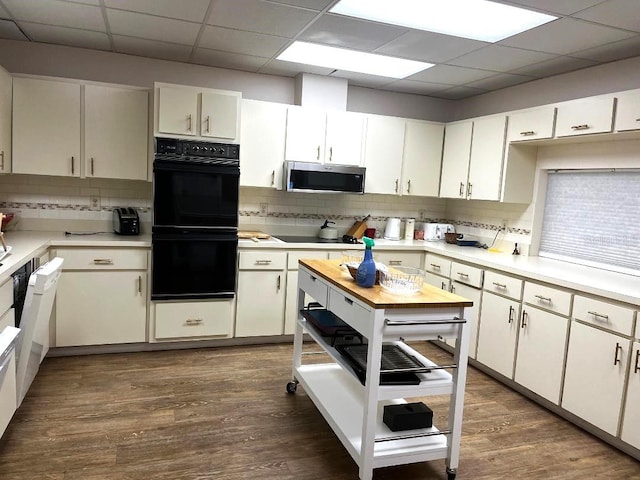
{"points": [[376, 296]]}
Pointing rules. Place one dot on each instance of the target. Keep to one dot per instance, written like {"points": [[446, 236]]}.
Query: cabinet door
{"points": [[631, 421], [594, 376], [305, 134], [100, 307], [46, 127], [220, 115], [5, 121], [383, 154], [422, 159], [498, 333], [455, 160], [116, 132], [262, 129], [437, 281], [177, 111], [541, 346], [260, 309], [628, 112], [583, 117], [471, 314], [487, 153], [531, 124], [343, 144]]}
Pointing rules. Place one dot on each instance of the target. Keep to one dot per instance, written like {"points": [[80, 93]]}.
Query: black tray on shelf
{"points": [[331, 326], [393, 357]]}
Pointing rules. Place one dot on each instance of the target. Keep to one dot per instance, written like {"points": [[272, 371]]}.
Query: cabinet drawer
{"points": [[549, 298], [313, 286], [604, 314], [503, 285], [292, 261], [262, 260], [8, 319], [395, 259], [103, 258], [467, 274], [197, 319], [349, 311], [6, 296], [438, 265], [7, 390]]}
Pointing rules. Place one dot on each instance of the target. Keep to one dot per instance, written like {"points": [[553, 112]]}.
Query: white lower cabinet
{"points": [[631, 420], [194, 320], [400, 259], [437, 281], [595, 376], [498, 333], [472, 314], [541, 347], [101, 297], [7, 390], [261, 293]]}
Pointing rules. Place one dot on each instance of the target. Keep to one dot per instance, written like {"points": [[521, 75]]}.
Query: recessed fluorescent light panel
{"points": [[476, 19], [351, 60]]}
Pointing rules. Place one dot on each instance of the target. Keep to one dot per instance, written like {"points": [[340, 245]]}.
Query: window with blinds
{"points": [[592, 217]]}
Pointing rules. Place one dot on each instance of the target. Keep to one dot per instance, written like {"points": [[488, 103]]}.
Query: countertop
{"points": [[616, 286]]}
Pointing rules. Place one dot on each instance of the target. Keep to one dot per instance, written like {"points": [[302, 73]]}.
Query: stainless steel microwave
{"points": [[323, 178]]}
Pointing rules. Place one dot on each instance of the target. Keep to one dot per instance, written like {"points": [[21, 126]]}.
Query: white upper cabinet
{"points": [[262, 151], [531, 124], [422, 158], [384, 145], [199, 112], [487, 153], [5, 121], [628, 112], [46, 127], [116, 132], [455, 160], [585, 116], [314, 135]]}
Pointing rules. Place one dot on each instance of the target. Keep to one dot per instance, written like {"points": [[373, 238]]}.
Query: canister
{"points": [[409, 227]]}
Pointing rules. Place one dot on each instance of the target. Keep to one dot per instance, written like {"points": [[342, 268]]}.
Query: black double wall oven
{"points": [[195, 219]]}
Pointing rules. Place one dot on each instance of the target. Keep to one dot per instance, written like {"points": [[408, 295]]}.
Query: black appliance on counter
{"points": [[195, 219], [126, 221]]}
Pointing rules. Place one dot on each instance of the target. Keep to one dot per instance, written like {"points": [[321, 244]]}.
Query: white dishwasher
{"points": [[8, 401]]}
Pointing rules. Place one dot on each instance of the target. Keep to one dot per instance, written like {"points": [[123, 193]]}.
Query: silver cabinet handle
{"points": [[461, 189], [599, 315], [499, 285], [192, 322], [348, 300], [208, 123], [102, 261], [469, 188], [318, 153], [543, 299], [140, 284], [527, 133], [330, 153], [92, 169], [435, 266], [580, 127], [73, 165], [525, 315], [273, 178], [636, 368], [396, 189], [465, 275], [2, 157], [616, 360], [511, 310], [278, 284], [263, 262], [409, 186], [189, 123], [395, 262]]}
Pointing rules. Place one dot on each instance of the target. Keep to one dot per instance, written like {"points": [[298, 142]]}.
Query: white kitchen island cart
{"points": [[355, 411]]}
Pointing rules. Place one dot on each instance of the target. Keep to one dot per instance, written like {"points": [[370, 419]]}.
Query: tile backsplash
{"points": [[74, 204]]}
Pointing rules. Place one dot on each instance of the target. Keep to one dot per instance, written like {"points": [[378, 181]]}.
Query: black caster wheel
{"points": [[451, 474], [292, 387]]}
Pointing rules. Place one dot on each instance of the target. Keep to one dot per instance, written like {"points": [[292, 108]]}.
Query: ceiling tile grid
{"points": [[248, 35]]}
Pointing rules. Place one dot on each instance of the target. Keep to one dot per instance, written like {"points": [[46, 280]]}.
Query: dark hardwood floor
{"points": [[222, 413]]}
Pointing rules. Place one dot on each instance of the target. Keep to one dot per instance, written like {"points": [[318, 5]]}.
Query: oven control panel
{"points": [[176, 146]]}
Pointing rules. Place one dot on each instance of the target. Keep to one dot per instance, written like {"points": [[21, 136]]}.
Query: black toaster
{"points": [[126, 221]]}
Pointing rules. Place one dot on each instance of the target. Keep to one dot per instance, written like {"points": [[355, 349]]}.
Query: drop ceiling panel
{"points": [[291, 69], [450, 75], [430, 47], [67, 36], [350, 33], [555, 66], [362, 79], [3, 12], [10, 31], [54, 12], [458, 93], [151, 48], [152, 28], [418, 88], [235, 61], [502, 80], [192, 10], [237, 41], [565, 36], [261, 17], [563, 7], [615, 13], [500, 58], [612, 51], [311, 4]]}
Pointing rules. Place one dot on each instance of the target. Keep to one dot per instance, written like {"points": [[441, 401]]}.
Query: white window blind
{"points": [[593, 218]]}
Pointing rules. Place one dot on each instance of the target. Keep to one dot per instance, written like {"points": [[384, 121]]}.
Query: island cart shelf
{"points": [[355, 411]]}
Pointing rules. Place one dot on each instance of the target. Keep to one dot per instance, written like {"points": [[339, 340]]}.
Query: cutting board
{"points": [[250, 234]]}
